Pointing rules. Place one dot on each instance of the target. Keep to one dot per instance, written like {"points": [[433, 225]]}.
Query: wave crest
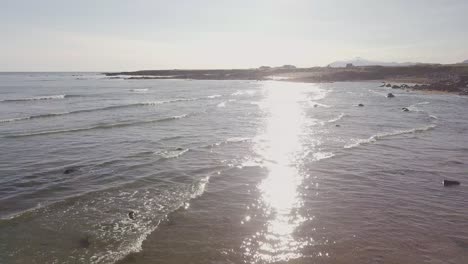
{"points": [[104, 126], [336, 119], [45, 97], [376, 137]]}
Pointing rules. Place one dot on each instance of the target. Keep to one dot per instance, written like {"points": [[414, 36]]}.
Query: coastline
{"points": [[440, 78]]}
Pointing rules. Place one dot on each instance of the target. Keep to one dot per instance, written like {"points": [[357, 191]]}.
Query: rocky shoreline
{"points": [[425, 77], [459, 86]]}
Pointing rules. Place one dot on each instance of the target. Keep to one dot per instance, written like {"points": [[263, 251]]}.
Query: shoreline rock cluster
{"points": [[457, 85]]}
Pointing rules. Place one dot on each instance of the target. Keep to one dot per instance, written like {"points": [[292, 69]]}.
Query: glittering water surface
{"points": [[98, 170]]}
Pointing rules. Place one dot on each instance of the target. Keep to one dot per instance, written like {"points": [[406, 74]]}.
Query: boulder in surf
{"points": [[451, 183], [132, 215]]}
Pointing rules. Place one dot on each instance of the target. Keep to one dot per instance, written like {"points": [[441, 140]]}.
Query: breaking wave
{"points": [[244, 92], [45, 97], [142, 90], [415, 108], [376, 137], [174, 153], [336, 119]]}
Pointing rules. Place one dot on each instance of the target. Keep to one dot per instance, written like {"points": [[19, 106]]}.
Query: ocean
{"points": [[101, 170]]}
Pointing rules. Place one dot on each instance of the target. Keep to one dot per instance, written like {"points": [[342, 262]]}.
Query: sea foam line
{"points": [[45, 97], [374, 138], [336, 119]]}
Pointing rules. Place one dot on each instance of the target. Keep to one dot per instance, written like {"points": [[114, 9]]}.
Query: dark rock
{"points": [[405, 109], [361, 105], [315, 105], [451, 183], [84, 242], [179, 149], [69, 170], [396, 87], [337, 125], [132, 215], [388, 85], [390, 95]]}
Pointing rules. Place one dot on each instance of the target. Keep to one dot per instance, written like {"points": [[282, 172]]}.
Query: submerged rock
{"points": [[390, 95], [360, 105], [337, 125], [396, 87], [69, 170], [405, 109], [388, 85], [451, 183], [84, 242]]}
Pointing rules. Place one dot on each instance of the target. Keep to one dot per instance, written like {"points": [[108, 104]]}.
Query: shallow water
{"points": [[228, 172]]}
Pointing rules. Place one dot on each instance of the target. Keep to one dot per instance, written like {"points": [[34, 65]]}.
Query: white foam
{"points": [[244, 92], [46, 97], [13, 119], [414, 107], [322, 155], [315, 104], [169, 154], [336, 119], [376, 137], [143, 90], [179, 116]]}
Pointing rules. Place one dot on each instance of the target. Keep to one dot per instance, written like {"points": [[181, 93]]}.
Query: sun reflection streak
{"points": [[281, 148]]}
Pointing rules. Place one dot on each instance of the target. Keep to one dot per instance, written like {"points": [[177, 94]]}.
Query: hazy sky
{"points": [[113, 35]]}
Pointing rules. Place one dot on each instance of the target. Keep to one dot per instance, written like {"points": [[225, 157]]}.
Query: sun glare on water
{"points": [[282, 149]]}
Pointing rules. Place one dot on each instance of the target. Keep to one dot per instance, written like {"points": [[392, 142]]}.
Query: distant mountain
{"points": [[363, 62], [465, 62]]}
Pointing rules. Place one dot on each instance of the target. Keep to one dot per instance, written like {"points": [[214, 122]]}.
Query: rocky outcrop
{"points": [[458, 85]]}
